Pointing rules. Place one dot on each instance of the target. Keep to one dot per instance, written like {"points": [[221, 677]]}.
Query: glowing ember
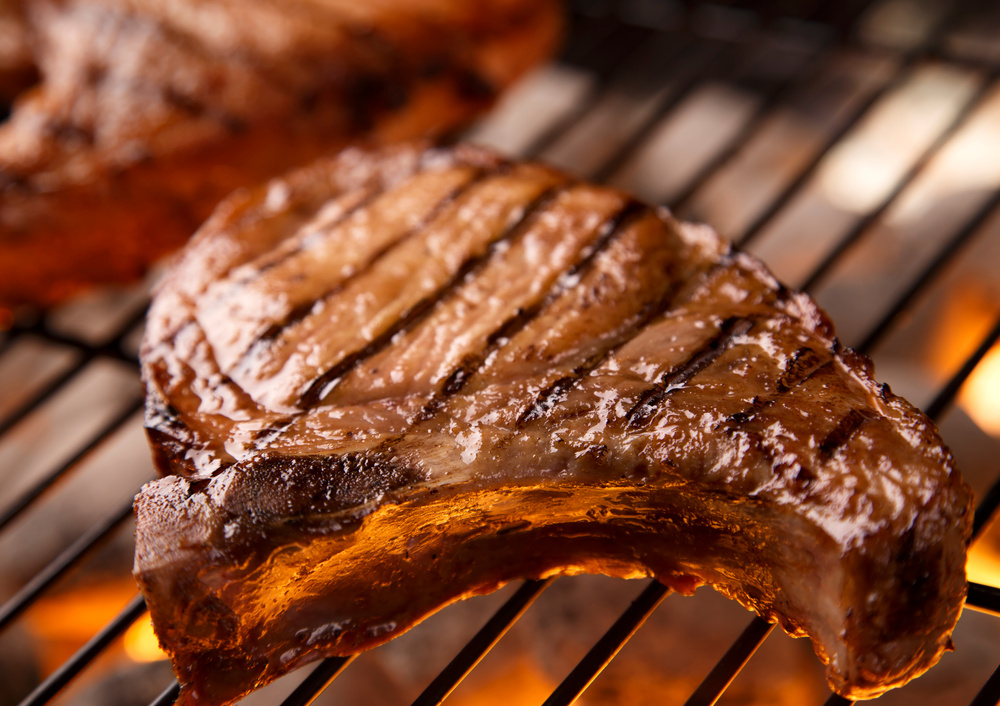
{"points": [[62, 623], [141, 644], [521, 682], [981, 394]]}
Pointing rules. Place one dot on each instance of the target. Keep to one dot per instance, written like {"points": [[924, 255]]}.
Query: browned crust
{"points": [[81, 204]]}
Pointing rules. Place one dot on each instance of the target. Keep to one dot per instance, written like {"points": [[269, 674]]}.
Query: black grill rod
{"points": [[318, 679], [110, 346], [621, 48], [726, 669], [42, 485], [947, 394], [961, 118], [837, 700], [723, 62], [989, 695], [951, 248], [985, 599], [772, 99], [88, 355], [985, 509], [803, 76], [601, 654], [904, 70], [60, 565], [111, 350], [168, 696], [481, 643], [69, 669]]}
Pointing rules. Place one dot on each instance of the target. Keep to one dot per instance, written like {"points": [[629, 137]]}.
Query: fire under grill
{"points": [[854, 146]]}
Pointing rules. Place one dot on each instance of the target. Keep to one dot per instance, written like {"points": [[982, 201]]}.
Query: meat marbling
{"points": [[403, 376]]}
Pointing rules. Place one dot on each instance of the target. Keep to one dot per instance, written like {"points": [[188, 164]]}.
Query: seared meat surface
{"points": [[400, 377], [17, 64], [150, 112]]}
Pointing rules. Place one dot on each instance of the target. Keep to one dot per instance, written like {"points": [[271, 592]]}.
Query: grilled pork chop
{"points": [[404, 376], [150, 112]]}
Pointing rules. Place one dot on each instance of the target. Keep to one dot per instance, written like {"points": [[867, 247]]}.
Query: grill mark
{"points": [[644, 410], [308, 241], [558, 391], [300, 312], [845, 429], [554, 394], [322, 385], [65, 131], [806, 364], [381, 186], [606, 232]]}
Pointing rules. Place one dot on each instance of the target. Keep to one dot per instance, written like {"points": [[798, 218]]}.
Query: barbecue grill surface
{"points": [[851, 145]]}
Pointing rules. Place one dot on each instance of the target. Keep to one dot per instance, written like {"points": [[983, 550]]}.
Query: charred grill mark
{"points": [[548, 398], [374, 193], [266, 436], [187, 103], [322, 385], [845, 429], [645, 409], [70, 132], [806, 363], [610, 229], [197, 109], [307, 242], [606, 232], [300, 312]]}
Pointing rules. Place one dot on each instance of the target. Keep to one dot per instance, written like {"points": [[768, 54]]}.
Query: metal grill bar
{"points": [[722, 675], [52, 387], [618, 48], [320, 678], [113, 348], [919, 166], [989, 695], [31, 495], [167, 696], [772, 100], [984, 598], [946, 395], [908, 64], [60, 565], [724, 63], [947, 253], [73, 666], [483, 641], [601, 654], [986, 509]]}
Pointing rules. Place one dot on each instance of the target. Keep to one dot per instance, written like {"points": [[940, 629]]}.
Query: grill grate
{"points": [[629, 75]]}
